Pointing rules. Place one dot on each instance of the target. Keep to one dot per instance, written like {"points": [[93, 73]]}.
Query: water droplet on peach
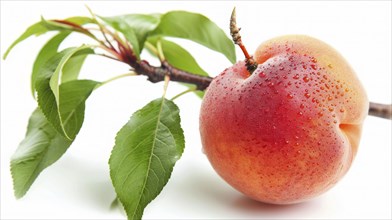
{"points": [[262, 74], [320, 114]]}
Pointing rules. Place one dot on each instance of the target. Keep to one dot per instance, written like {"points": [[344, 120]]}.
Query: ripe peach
{"points": [[289, 131]]}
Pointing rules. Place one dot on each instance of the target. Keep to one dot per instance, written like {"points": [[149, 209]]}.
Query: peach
{"points": [[290, 130]]}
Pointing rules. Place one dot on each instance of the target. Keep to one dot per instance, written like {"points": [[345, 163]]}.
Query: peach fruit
{"points": [[290, 130]]}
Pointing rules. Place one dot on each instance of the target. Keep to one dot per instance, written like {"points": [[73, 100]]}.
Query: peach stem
{"points": [[251, 64]]}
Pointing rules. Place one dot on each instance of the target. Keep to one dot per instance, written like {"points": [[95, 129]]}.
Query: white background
{"points": [[78, 185]]}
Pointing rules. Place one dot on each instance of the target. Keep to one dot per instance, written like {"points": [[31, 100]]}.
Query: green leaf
{"points": [[191, 26], [80, 20], [60, 72], [135, 28], [73, 66], [35, 29], [197, 28], [44, 26], [73, 95], [41, 147], [67, 117], [64, 106], [180, 58], [47, 51], [144, 155]]}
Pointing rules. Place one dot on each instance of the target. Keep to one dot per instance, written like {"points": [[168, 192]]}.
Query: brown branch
{"points": [[380, 110], [157, 74]]}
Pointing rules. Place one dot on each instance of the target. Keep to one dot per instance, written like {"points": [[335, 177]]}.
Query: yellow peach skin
{"points": [[289, 131]]}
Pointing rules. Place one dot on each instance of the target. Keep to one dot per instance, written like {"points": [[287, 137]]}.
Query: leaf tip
{"points": [[5, 55], [18, 192]]}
